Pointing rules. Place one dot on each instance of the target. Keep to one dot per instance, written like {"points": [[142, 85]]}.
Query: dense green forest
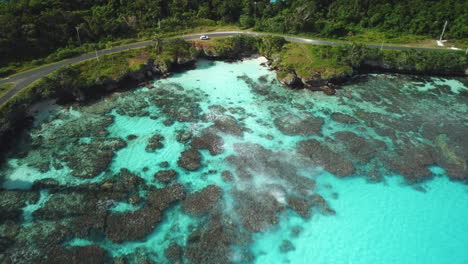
{"points": [[34, 28]]}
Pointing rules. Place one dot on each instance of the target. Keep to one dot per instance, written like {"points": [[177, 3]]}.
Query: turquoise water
{"points": [[397, 193], [378, 223]]}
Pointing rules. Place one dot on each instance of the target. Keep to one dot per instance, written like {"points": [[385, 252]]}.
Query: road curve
{"points": [[22, 80]]}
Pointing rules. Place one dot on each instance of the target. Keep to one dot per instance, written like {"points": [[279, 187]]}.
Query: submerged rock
{"points": [[294, 125], [203, 201], [359, 148], [12, 203], [343, 118], [451, 158], [224, 123], [138, 224], [47, 183], [168, 122], [78, 203], [132, 137], [213, 244], [164, 164], [136, 105], [75, 255], [166, 176], [176, 103], [174, 253], [227, 176], [257, 209], [209, 140], [411, 162], [163, 198], [154, 143], [320, 155], [301, 206], [286, 246], [132, 226], [88, 160], [190, 160], [318, 201], [229, 125], [184, 136]]}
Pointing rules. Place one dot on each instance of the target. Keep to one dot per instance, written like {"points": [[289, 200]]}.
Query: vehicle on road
{"points": [[204, 37]]}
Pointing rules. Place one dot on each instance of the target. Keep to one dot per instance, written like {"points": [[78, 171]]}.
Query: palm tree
{"points": [[157, 39]]}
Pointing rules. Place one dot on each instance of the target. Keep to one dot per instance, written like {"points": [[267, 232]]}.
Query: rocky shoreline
{"points": [[330, 85], [15, 117]]}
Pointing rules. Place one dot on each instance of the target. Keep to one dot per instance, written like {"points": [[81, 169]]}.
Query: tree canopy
{"points": [[34, 28]]}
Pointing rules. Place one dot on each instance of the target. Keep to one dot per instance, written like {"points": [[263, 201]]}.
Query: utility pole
{"points": [[78, 33], [381, 46], [159, 23], [97, 56], [255, 10], [443, 30]]}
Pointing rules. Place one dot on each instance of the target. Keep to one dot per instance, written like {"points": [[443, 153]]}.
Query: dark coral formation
{"points": [[177, 103], [166, 176], [229, 125], [318, 201], [257, 209], [132, 226], [79, 211], [359, 148], [136, 106], [213, 243], [161, 199], [209, 140], [300, 205], [320, 155], [190, 160], [154, 143], [47, 183], [343, 118], [286, 246], [412, 162], [75, 255], [119, 227], [227, 176], [12, 202], [184, 136], [224, 123], [451, 157], [88, 160], [174, 253], [203, 201], [294, 125]]}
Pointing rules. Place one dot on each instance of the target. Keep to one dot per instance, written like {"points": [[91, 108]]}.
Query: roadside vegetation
{"points": [[5, 88]]}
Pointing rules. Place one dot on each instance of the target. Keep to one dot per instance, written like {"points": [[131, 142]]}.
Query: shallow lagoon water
{"points": [[378, 223], [380, 218]]}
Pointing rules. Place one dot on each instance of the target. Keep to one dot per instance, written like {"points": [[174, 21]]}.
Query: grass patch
{"points": [[112, 66], [308, 61], [5, 88]]}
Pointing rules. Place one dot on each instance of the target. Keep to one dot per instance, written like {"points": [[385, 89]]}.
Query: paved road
{"points": [[22, 80]]}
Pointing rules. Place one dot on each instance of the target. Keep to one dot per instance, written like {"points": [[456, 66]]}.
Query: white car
{"points": [[204, 37]]}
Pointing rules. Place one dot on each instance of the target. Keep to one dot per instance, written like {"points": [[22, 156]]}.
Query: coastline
{"points": [[14, 117]]}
